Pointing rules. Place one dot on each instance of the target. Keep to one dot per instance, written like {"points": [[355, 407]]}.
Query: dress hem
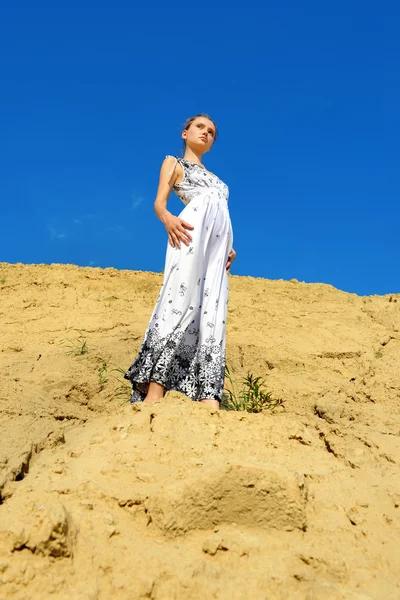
{"points": [[166, 389]]}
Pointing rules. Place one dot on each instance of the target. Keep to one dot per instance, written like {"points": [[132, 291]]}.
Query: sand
{"points": [[175, 500]]}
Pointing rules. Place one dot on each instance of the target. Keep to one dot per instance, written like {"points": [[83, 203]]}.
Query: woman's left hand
{"points": [[231, 258]]}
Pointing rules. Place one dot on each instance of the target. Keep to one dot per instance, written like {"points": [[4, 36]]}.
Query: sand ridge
{"points": [[175, 500]]}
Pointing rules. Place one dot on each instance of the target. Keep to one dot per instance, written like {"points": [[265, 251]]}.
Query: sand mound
{"points": [[177, 501]]}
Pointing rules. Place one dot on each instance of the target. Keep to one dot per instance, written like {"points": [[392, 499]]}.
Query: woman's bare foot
{"points": [[210, 402], [154, 393]]}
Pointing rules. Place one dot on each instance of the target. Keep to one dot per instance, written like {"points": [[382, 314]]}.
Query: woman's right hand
{"points": [[177, 230]]}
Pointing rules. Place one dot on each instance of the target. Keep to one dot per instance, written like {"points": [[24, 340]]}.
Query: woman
{"points": [[184, 346]]}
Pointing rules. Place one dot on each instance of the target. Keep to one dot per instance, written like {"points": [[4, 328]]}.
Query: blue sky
{"points": [[306, 96]]}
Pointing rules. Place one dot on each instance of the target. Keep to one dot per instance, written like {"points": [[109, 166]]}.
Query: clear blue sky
{"points": [[306, 96]]}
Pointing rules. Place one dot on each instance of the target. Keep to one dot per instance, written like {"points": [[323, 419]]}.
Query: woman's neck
{"points": [[192, 156]]}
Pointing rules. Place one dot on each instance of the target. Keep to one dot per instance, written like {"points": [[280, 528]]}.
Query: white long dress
{"points": [[184, 345]]}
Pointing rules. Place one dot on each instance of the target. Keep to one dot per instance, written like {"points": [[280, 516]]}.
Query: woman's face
{"points": [[200, 135]]}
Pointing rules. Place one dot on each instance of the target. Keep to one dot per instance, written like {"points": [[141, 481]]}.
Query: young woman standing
{"points": [[184, 345]]}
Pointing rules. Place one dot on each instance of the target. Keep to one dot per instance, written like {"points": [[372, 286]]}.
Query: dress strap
{"points": [[173, 168]]}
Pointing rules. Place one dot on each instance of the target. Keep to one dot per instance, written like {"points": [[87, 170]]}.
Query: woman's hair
{"points": [[189, 121]]}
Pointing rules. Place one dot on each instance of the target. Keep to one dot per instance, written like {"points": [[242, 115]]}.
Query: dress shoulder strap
{"points": [[176, 161]]}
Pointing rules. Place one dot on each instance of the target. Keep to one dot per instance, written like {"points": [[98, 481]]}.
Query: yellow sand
{"points": [[174, 500]]}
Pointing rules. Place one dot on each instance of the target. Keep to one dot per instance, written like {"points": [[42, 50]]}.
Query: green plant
{"points": [[249, 394], [378, 354], [123, 390], [102, 373], [3, 281], [76, 347]]}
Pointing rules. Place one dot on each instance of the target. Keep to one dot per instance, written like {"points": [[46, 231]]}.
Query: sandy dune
{"points": [[100, 500]]}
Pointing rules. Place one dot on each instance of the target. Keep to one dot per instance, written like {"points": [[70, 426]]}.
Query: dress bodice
{"points": [[197, 181]]}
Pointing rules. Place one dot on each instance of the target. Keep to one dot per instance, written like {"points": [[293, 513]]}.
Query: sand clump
{"points": [[174, 500]]}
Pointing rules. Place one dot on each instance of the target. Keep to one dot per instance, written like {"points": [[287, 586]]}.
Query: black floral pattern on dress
{"points": [[197, 371]]}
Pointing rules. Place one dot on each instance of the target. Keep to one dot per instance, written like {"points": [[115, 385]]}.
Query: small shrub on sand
{"points": [[249, 394]]}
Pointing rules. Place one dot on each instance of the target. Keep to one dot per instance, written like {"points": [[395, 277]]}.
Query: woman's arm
{"points": [[176, 228], [231, 258]]}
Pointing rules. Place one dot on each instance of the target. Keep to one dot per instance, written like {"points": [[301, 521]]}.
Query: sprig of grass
{"points": [[107, 371], [124, 390], [76, 347], [248, 394], [102, 373]]}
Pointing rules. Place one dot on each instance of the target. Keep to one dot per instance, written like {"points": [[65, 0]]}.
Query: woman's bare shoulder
{"points": [[172, 167], [170, 158]]}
